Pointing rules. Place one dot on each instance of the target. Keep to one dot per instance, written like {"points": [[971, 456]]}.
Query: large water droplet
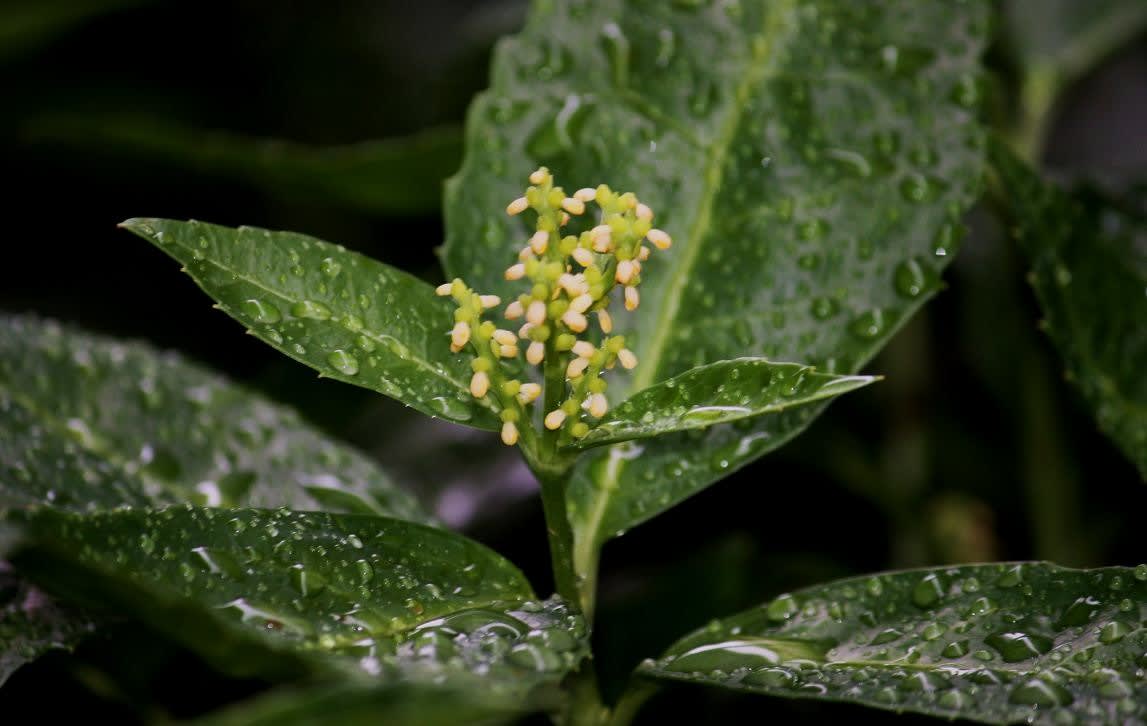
{"points": [[261, 312], [343, 362], [1038, 692], [450, 408], [1016, 646], [311, 309]]}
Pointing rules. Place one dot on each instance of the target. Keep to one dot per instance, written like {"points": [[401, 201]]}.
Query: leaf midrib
{"points": [[650, 352]]}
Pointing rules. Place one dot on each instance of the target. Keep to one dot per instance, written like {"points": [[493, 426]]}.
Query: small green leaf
{"points": [[349, 317], [280, 593], [388, 176], [728, 390], [1005, 643], [188, 434], [354, 705], [31, 623], [813, 182], [1089, 272]]}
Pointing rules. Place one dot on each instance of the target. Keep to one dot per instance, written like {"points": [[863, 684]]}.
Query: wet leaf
{"points": [[31, 623], [1088, 254], [87, 401], [388, 176], [730, 390], [1004, 643], [813, 182], [280, 593], [349, 317]]}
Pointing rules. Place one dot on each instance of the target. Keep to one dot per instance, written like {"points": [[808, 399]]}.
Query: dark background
{"points": [[974, 448]]}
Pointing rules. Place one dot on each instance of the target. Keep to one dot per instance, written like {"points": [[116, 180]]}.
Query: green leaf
{"points": [[353, 705], [1067, 38], [997, 643], [813, 181], [349, 317], [721, 392], [388, 176], [31, 623], [1088, 255], [121, 411], [280, 593]]}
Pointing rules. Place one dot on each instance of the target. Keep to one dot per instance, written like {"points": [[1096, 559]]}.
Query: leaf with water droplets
{"points": [[281, 593], [1004, 643], [1088, 253], [348, 316], [831, 146], [729, 390], [392, 176], [32, 623], [73, 399]]}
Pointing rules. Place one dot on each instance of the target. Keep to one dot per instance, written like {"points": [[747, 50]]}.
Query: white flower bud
{"points": [[460, 335], [624, 272], [583, 257], [540, 176], [536, 353], [574, 320], [581, 303], [598, 405], [536, 313], [576, 367], [529, 392], [539, 242], [644, 212], [479, 384], [514, 310], [517, 206], [444, 289], [583, 349], [509, 433], [627, 359], [632, 298], [585, 194], [505, 337], [659, 239], [508, 351], [490, 301], [516, 272], [573, 206], [605, 320], [555, 419]]}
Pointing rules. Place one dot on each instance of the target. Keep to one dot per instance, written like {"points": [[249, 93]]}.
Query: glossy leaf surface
{"points": [[721, 392], [810, 158], [188, 434], [279, 593], [1028, 642], [1088, 255], [349, 317]]}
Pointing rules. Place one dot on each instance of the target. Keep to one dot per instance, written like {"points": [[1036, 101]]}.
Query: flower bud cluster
{"points": [[570, 278]]}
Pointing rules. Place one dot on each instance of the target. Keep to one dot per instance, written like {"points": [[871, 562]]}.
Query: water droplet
{"points": [[343, 362], [451, 408], [330, 267], [911, 278], [824, 308], [868, 325], [261, 312], [1038, 692], [1113, 632], [308, 583], [1016, 646], [706, 415], [771, 678], [311, 309], [781, 609]]}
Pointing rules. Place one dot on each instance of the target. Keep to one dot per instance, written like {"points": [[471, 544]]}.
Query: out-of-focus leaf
{"points": [[355, 705], [721, 392], [31, 623], [25, 24], [389, 176], [1006, 643], [349, 317], [1089, 270], [190, 435], [285, 593], [810, 158]]}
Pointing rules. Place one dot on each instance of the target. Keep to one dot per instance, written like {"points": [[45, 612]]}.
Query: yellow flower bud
{"points": [[444, 289], [529, 392], [625, 272], [508, 351], [517, 206], [632, 298], [516, 272], [536, 313], [574, 320], [598, 405], [540, 176], [505, 337], [605, 320], [644, 212], [581, 303], [573, 205], [583, 257], [479, 384], [576, 367], [460, 335], [583, 349], [536, 353], [627, 359], [490, 301], [539, 242], [555, 419], [643, 253], [659, 239], [585, 194], [509, 434]]}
